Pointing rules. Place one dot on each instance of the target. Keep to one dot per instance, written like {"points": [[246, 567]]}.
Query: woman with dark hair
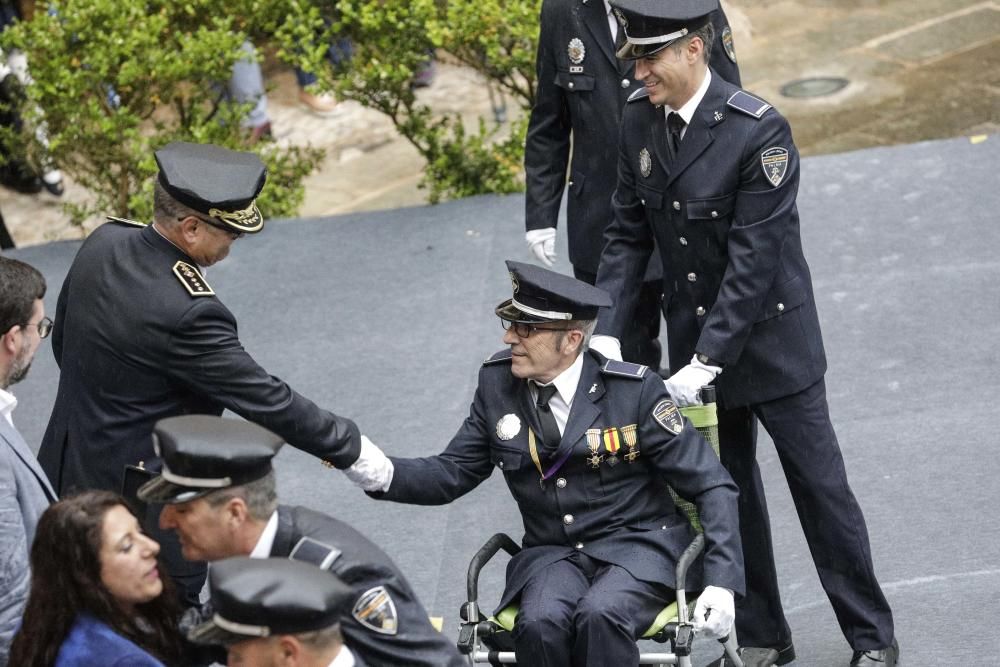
{"points": [[97, 597]]}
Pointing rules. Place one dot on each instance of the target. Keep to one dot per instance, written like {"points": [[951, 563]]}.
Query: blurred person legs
{"points": [[246, 85], [323, 103]]}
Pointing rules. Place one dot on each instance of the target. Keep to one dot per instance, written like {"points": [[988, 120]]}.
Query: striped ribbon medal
{"points": [[612, 443]]}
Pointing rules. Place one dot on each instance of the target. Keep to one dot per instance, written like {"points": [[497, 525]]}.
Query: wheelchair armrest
{"points": [[483, 556], [684, 563]]}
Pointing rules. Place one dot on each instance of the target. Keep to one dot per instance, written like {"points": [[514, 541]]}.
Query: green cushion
{"points": [[505, 619]]}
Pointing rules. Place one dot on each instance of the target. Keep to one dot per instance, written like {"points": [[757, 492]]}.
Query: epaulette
{"points": [[638, 94], [743, 101], [624, 369], [502, 355], [315, 553], [126, 221], [192, 280]]}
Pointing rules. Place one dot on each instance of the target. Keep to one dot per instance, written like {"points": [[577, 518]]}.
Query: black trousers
{"points": [[640, 343], [831, 519], [584, 612]]}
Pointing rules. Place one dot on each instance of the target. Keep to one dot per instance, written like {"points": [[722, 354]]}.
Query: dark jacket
{"points": [[134, 345], [91, 642], [407, 639], [621, 513], [736, 284], [584, 99]]}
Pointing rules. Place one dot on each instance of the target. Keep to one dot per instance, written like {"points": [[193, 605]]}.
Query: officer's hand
{"points": [[685, 385], [542, 244], [608, 346], [714, 613], [373, 470]]}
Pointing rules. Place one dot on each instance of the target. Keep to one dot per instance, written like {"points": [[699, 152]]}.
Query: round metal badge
{"points": [[508, 426], [727, 43], [645, 163], [576, 50]]}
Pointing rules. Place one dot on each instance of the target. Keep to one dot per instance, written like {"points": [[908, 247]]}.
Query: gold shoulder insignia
{"points": [[126, 221], [192, 280]]}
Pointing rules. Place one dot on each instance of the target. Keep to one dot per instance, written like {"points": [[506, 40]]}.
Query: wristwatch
{"points": [[707, 360]]}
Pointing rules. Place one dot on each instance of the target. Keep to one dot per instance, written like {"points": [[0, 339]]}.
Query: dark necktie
{"points": [[675, 125], [550, 430]]}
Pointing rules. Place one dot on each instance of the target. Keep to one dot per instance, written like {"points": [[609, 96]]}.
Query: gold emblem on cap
{"points": [[508, 426], [645, 163], [513, 282], [247, 219]]}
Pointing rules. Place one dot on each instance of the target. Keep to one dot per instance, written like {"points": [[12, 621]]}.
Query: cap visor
{"points": [[251, 225], [210, 633], [629, 51], [162, 491], [508, 311]]}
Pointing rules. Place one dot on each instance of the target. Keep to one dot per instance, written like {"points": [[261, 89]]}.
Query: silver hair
{"points": [[260, 496]]}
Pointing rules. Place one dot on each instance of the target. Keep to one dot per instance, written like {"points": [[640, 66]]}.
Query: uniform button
{"points": [[699, 311], [663, 527], [781, 307], [578, 545], [715, 214], [642, 201], [571, 85], [561, 483], [568, 519], [626, 83], [571, 184], [692, 277], [682, 240], [500, 464], [677, 206]]}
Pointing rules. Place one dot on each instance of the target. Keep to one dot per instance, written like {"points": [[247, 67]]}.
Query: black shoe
{"points": [[19, 177], [886, 657], [759, 657]]}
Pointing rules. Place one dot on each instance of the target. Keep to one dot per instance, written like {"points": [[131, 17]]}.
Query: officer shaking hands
{"points": [[218, 491], [275, 612], [708, 173], [585, 445]]}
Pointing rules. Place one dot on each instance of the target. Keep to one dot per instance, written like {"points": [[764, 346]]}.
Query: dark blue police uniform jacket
{"points": [[139, 337], [620, 514], [397, 632], [736, 284], [582, 88]]}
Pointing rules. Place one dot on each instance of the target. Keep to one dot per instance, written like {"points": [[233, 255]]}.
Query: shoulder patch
{"points": [[502, 355], [668, 416], [639, 94], [192, 280], [309, 550], [126, 221], [743, 101], [624, 369], [376, 610]]}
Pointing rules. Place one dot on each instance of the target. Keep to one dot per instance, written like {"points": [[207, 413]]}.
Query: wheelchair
{"points": [[489, 641]]}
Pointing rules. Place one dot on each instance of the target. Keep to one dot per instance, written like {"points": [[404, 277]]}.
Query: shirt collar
{"points": [[344, 659], [263, 547], [687, 111], [567, 381], [607, 7], [8, 402]]}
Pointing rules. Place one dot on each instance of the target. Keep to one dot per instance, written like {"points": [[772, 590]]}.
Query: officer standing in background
{"points": [[273, 611], [140, 335], [582, 88], [220, 498], [710, 173], [586, 446]]}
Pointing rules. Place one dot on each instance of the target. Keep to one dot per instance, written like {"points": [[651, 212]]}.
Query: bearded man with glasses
{"points": [[140, 336], [586, 446]]}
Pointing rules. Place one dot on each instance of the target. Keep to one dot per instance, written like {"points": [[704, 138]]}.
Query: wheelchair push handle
{"points": [[483, 556]]}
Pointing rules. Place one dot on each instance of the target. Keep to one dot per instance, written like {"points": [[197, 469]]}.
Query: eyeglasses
{"points": [[44, 327], [229, 230], [524, 330]]}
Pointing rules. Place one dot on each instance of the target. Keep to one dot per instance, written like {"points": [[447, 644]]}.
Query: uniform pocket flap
{"points": [[714, 208], [506, 459], [574, 82], [650, 198], [783, 298]]}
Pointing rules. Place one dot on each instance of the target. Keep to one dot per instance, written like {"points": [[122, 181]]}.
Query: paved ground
{"points": [[386, 316], [918, 70]]}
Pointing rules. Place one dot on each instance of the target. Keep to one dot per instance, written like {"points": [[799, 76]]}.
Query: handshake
{"points": [[373, 470]]}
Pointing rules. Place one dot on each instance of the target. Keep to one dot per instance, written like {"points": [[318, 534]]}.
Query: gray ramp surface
{"points": [[385, 317]]}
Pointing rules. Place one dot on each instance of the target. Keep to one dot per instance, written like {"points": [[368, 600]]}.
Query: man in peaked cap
{"points": [[708, 173], [270, 612], [586, 443], [581, 90], [218, 491], [140, 335]]}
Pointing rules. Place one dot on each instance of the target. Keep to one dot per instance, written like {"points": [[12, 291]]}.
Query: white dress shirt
{"points": [[612, 22], [562, 401], [686, 112], [266, 540], [344, 659], [8, 402]]}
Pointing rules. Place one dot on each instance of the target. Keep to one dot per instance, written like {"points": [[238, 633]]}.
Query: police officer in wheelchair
{"points": [[587, 447]]}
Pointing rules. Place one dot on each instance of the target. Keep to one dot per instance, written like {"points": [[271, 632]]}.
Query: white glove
{"points": [[373, 470], [608, 346], [685, 385], [542, 244], [714, 613]]}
